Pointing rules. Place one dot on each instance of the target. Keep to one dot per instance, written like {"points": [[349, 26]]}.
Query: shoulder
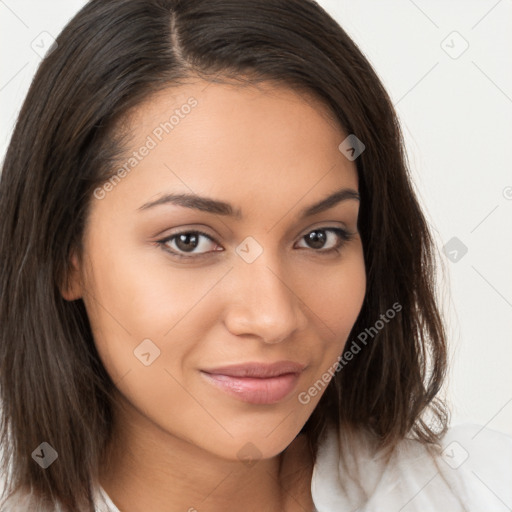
{"points": [[26, 501], [470, 471], [22, 502]]}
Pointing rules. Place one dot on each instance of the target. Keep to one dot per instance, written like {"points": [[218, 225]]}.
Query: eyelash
{"points": [[343, 235]]}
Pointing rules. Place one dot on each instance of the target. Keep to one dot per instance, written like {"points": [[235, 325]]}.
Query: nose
{"points": [[263, 303]]}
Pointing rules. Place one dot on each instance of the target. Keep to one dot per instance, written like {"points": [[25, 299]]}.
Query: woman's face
{"points": [[267, 282]]}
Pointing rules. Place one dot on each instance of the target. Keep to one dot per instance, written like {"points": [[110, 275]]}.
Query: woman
{"points": [[217, 282]]}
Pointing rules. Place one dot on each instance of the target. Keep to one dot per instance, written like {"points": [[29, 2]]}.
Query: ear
{"points": [[72, 288]]}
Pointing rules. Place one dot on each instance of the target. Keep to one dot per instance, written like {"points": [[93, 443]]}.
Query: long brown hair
{"points": [[111, 56]]}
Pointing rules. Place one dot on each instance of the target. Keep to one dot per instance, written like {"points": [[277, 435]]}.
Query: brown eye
{"points": [[186, 242], [316, 239], [319, 238]]}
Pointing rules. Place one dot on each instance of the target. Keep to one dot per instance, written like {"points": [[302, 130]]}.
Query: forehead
{"points": [[240, 143], [231, 101]]}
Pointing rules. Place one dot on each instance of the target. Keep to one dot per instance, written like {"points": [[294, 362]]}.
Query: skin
{"points": [[269, 151]]}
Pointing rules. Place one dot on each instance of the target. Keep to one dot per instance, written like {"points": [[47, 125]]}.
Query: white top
{"points": [[472, 473]]}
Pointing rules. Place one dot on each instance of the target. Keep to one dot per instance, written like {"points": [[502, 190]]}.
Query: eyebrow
{"points": [[209, 205]]}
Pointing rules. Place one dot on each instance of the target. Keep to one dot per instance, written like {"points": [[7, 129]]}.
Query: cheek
{"points": [[132, 297], [336, 298], [146, 320], [337, 292], [140, 293]]}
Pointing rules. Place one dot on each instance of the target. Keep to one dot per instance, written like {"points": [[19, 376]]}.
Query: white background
{"points": [[456, 115]]}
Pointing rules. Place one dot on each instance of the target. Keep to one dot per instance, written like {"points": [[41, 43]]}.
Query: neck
{"points": [[148, 469]]}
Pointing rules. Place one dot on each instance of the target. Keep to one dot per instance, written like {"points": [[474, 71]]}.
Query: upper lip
{"points": [[258, 370]]}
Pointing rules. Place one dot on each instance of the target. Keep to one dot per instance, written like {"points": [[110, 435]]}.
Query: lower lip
{"points": [[255, 391]]}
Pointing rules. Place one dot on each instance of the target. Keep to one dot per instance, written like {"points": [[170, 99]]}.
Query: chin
{"points": [[251, 444]]}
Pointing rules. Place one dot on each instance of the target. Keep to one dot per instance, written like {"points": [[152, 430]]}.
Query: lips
{"points": [[256, 383]]}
